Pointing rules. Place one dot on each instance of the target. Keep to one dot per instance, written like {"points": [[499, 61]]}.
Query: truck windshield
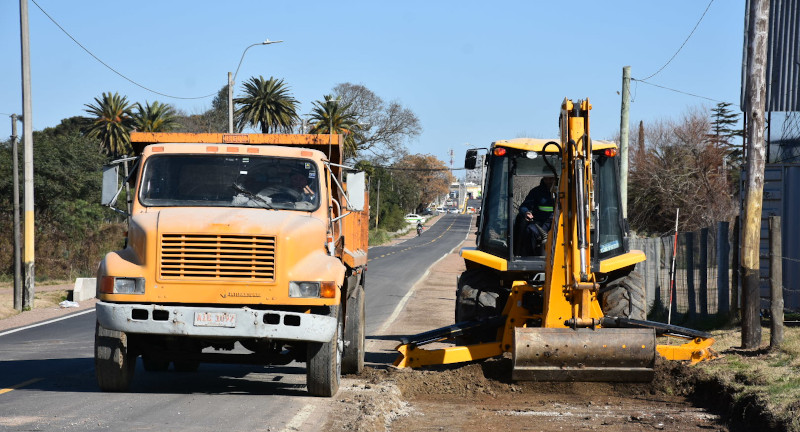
{"points": [[229, 181]]}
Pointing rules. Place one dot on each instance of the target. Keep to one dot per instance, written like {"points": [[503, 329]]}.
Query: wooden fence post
{"points": [[690, 291], [723, 284], [736, 264], [703, 272], [775, 282]]}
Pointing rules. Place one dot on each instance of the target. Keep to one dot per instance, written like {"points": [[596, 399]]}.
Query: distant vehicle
{"points": [[441, 210], [427, 212], [413, 218], [470, 209], [453, 210]]}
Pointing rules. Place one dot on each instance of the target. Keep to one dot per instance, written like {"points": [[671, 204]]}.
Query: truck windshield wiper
{"points": [[265, 204]]}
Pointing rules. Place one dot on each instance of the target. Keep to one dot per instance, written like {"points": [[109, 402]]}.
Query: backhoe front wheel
{"points": [[324, 361], [625, 297], [113, 361], [479, 296]]}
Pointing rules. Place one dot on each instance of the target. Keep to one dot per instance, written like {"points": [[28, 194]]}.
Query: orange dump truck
{"points": [[241, 248]]}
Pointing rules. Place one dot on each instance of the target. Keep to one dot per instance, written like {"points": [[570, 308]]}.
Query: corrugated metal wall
{"points": [[783, 56]]}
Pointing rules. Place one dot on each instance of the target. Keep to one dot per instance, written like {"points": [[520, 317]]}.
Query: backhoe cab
{"points": [[552, 279]]}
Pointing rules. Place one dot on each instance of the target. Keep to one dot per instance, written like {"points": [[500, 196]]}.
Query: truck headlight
{"points": [[325, 289], [115, 285]]}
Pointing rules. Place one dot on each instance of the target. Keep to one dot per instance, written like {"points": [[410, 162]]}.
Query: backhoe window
{"points": [[609, 220], [229, 181], [494, 217]]}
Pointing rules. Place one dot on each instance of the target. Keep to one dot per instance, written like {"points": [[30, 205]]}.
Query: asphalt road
{"points": [[47, 372], [393, 270]]}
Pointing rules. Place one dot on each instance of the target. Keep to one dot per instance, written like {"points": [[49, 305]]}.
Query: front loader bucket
{"points": [[565, 354]]}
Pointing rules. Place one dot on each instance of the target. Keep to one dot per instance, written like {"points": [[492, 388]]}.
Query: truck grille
{"points": [[220, 257]]}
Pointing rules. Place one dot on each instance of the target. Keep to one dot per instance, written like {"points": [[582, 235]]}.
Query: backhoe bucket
{"points": [[565, 354]]}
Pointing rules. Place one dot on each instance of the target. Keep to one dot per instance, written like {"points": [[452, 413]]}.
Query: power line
{"points": [[111, 68], [684, 42], [678, 91]]}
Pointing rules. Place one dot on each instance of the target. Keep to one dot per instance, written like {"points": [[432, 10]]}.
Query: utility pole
{"points": [[755, 100], [230, 102], [624, 130], [27, 141], [17, 234]]}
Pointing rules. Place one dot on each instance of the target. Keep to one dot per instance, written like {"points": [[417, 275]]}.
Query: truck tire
{"points": [[324, 361], [353, 353], [478, 296], [114, 363], [625, 297]]}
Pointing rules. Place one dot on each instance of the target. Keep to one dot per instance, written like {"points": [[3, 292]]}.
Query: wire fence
{"points": [[702, 272], [705, 280]]}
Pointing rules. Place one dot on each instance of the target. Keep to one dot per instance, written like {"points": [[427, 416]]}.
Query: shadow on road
{"points": [[77, 375]]}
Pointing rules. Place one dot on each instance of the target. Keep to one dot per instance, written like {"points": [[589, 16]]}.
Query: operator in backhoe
{"points": [[536, 213]]}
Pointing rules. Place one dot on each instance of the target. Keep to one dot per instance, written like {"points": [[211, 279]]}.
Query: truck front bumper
{"points": [[240, 322]]}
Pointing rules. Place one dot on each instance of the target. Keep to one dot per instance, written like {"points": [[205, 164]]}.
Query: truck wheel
{"points": [[323, 362], [353, 353], [113, 362], [625, 297], [478, 296]]}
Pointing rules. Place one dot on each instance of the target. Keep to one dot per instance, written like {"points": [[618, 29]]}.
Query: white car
{"points": [[413, 218]]}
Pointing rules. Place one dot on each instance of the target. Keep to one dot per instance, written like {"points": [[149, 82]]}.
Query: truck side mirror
{"points": [[356, 187], [110, 185], [471, 159]]}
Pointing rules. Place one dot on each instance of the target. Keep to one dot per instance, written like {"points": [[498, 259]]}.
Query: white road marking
{"points": [[47, 322], [410, 292], [297, 421]]}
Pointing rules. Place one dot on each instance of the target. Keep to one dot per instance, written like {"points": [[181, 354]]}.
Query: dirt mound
{"points": [[493, 377]]}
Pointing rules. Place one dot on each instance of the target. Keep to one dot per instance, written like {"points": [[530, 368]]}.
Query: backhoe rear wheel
{"points": [[625, 297]]}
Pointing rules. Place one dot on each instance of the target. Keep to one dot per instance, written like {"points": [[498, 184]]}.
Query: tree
{"points": [[385, 127], [212, 120], [332, 116], [72, 229], [723, 130], [680, 168], [426, 177], [111, 123], [157, 117], [267, 105]]}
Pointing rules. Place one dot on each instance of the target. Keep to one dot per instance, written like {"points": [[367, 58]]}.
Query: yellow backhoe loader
{"points": [[552, 280]]}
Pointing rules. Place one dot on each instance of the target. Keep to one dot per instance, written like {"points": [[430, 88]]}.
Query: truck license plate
{"points": [[214, 319]]}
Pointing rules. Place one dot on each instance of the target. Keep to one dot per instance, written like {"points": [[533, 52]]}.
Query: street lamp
{"points": [[232, 78]]}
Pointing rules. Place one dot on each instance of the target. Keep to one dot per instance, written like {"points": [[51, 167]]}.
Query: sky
{"points": [[473, 72]]}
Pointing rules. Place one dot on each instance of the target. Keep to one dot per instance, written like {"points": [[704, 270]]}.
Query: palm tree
{"points": [[331, 116], [111, 123], [157, 117], [267, 105]]}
